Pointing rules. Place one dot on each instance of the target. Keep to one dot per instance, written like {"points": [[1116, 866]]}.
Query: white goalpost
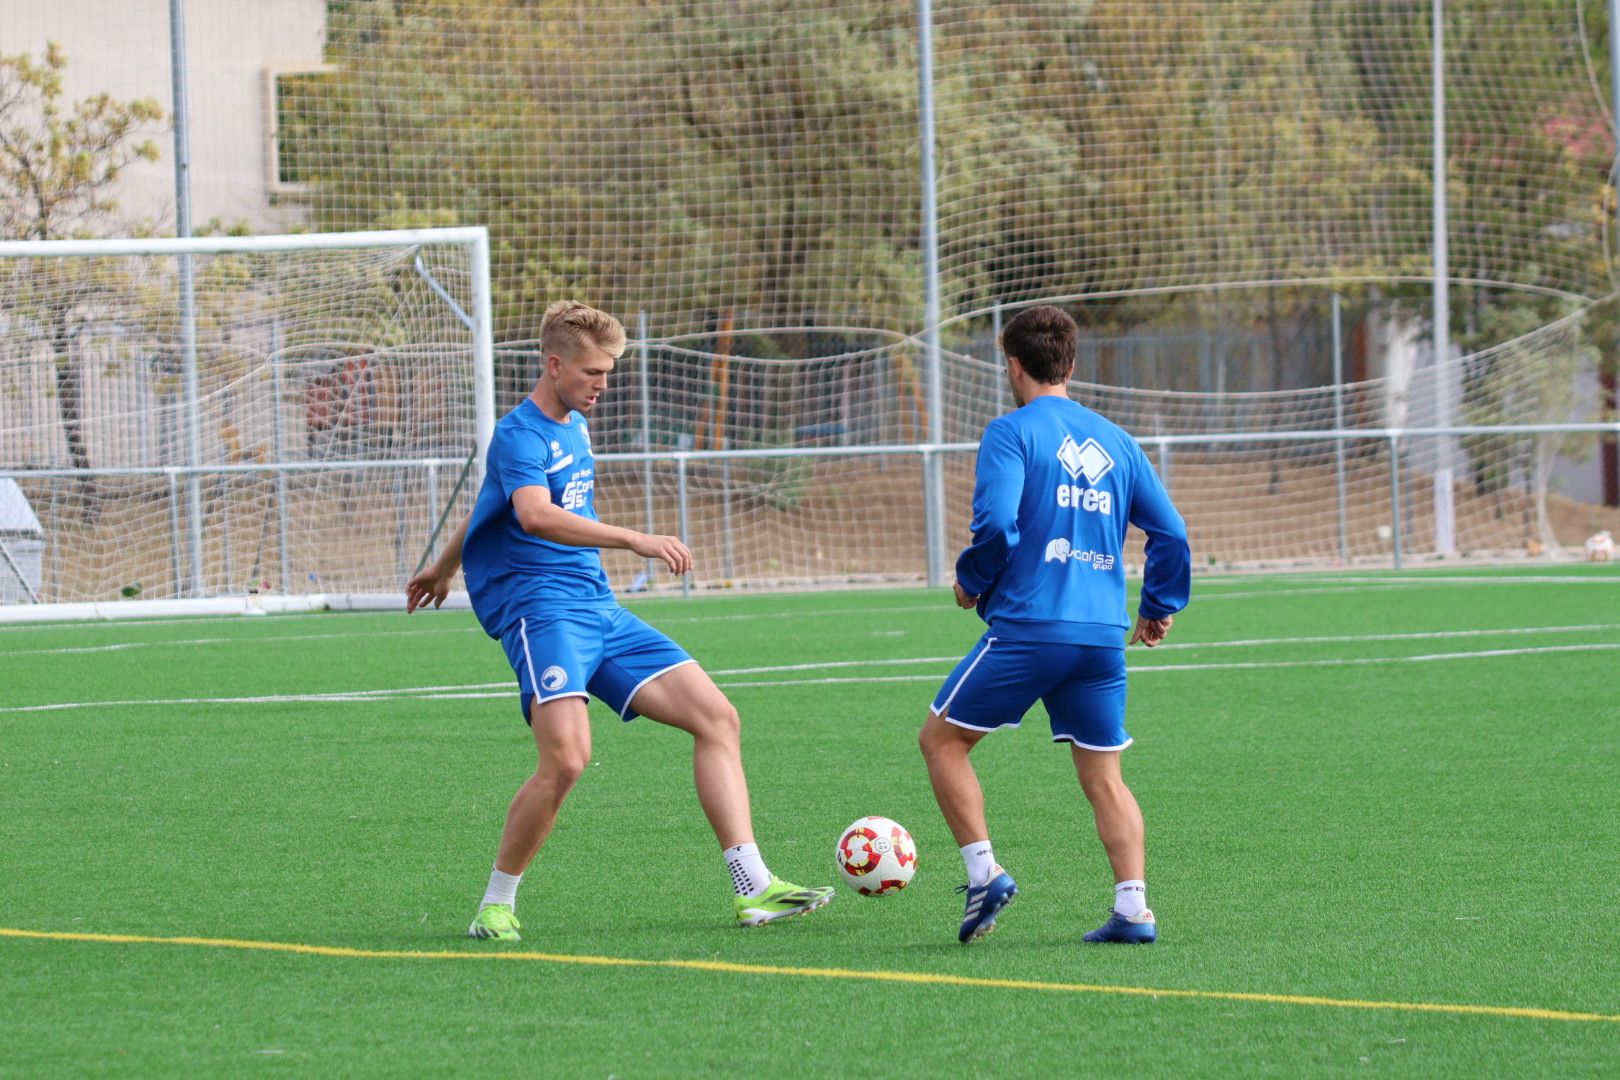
{"points": [[299, 435]]}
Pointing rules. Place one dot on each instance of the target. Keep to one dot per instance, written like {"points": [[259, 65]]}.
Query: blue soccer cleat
{"points": [[1138, 929], [979, 917]]}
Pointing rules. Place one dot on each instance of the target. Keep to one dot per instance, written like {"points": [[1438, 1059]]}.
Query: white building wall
{"points": [[121, 47]]}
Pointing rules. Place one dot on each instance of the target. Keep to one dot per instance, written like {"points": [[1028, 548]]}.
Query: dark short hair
{"points": [[1044, 340]]}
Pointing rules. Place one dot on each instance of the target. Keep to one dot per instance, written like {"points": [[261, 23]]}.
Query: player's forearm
{"points": [[553, 523], [995, 535], [977, 567], [450, 557]]}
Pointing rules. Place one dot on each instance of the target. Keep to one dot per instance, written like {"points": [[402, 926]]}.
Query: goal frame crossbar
{"points": [[475, 237]]}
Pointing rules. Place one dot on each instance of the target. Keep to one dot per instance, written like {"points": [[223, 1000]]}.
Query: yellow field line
{"points": [[920, 978]]}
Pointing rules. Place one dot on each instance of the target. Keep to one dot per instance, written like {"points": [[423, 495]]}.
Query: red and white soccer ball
{"points": [[877, 856]]}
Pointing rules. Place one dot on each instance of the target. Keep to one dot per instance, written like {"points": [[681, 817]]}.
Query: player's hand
{"points": [[963, 600], [1151, 632], [674, 554], [431, 584]]}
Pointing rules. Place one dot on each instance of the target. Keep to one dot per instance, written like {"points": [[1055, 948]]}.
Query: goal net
{"points": [[296, 421]]}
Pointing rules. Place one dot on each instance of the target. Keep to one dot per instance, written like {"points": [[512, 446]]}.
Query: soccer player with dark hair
{"points": [[534, 574], [1056, 487]]}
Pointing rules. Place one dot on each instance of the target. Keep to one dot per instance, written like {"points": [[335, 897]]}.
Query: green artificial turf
{"points": [[1327, 819]]}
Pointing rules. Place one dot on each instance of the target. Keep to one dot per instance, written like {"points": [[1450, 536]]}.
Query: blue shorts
{"points": [[1082, 686], [607, 652]]}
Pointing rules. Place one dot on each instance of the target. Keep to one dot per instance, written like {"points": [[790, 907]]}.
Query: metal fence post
{"points": [[227, 485], [933, 538], [995, 358], [646, 434], [280, 443], [725, 508], [55, 541], [933, 478], [401, 524], [433, 490], [1338, 423], [686, 522], [174, 532], [1395, 496]]}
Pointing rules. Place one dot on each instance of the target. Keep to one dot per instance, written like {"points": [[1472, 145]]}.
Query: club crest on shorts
{"points": [[553, 678]]}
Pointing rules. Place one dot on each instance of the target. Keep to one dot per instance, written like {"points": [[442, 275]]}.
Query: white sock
{"points": [[1130, 898], [748, 874], [981, 862], [502, 889]]}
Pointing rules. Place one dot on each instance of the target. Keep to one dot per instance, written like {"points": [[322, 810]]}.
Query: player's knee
{"points": [[566, 764], [722, 722], [1103, 788], [936, 739], [712, 719]]}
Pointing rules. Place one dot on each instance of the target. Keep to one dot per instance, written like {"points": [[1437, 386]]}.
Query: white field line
{"points": [[1419, 578], [1210, 589], [122, 645], [1140, 669], [1241, 643], [263, 699], [1384, 585], [191, 642], [473, 689], [239, 620], [180, 620], [910, 609]]}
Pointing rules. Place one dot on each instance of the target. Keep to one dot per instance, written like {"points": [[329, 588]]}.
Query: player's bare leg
{"points": [[562, 739], [1120, 828], [1119, 819], [945, 749], [686, 698]]}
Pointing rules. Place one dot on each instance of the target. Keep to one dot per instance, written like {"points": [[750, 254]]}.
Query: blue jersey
{"points": [[511, 574], [1055, 488]]}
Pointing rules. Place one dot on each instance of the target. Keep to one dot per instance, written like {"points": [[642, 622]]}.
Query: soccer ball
{"points": [[876, 856], [1600, 547]]}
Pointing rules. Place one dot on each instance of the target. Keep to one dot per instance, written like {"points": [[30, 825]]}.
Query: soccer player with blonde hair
{"points": [[530, 552]]}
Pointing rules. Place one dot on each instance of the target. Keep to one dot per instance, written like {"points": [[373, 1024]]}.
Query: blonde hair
{"points": [[569, 325]]}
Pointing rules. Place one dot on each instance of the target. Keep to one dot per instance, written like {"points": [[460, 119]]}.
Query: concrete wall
{"points": [[122, 47]]}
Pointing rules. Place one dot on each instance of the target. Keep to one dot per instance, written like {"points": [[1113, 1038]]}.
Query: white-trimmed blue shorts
{"points": [[606, 652], [1082, 686]]}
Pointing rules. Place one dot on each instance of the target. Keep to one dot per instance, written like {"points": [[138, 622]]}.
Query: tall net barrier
{"points": [[304, 438], [742, 185], [761, 159], [809, 472]]}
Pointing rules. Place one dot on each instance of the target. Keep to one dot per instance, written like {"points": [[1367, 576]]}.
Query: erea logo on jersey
{"points": [[1091, 461]]}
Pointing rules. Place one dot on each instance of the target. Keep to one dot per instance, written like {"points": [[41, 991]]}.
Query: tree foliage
{"points": [[696, 157], [60, 162]]}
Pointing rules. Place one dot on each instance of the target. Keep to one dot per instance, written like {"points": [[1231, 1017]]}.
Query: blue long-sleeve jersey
{"points": [[1055, 488]]}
